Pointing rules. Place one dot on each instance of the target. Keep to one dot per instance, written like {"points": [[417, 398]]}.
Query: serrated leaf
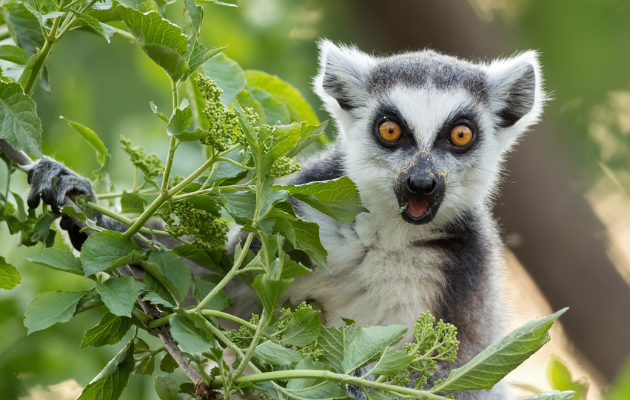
{"points": [[270, 290], [227, 173], [304, 236], [392, 361], [23, 27], [310, 133], [240, 204], [108, 249], [102, 29], [204, 285], [166, 387], [58, 259], [132, 203], [21, 126], [368, 342], [145, 366], [91, 137], [110, 330], [180, 121], [497, 360], [299, 108], [118, 294], [49, 308], [303, 328], [227, 74], [140, 346], [554, 395], [9, 52], [171, 271], [73, 212], [9, 275], [191, 333], [274, 354], [338, 198], [160, 39], [168, 363], [110, 382]]}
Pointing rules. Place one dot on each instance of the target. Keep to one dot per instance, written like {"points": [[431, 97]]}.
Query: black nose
{"points": [[421, 185]]}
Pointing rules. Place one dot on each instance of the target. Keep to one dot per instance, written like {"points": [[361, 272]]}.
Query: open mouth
{"points": [[419, 211]]}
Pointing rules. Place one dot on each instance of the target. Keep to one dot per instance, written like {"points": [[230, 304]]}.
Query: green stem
{"points": [[228, 277], [144, 217], [123, 219], [42, 57], [173, 144], [173, 191], [113, 195], [235, 163], [264, 321], [330, 376]]}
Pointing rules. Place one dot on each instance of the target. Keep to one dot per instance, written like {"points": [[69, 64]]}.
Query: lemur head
{"points": [[423, 135]]}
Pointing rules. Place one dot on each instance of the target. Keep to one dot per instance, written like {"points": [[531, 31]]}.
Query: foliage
{"points": [[252, 126]]}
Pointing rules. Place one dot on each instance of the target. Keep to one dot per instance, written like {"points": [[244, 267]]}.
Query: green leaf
{"points": [[23, 27], [303, 328], [227, 173], [73, 212], [304, 236], [620, 389], [145, 366], [119, 294], [48, 308], [166, 387], [108, 249], [240, 205], [246, 99], [310, 133], [14, 54], [191, 333], [276, 112], [391, 362], [303, 383], [159, 114], [496, 361], [58, 259], [270, 290], [274, 354], [91, 137], [555, 395], [140, 346], [110, 330], [132, 203], [338, 198], [9, 275], [204, 285], [160, 39], [168, 363], [351, 347], [21, 126], [296, 103], [171, 271], [227, 74], [560, 378], [110, 382], [102, 29]]}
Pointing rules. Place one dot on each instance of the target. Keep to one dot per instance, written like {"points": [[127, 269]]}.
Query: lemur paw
{"points": [[51, 181]]}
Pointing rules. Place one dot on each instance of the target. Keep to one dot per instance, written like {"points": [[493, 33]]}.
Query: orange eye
{"points": [[461, 135], [389, 131]]}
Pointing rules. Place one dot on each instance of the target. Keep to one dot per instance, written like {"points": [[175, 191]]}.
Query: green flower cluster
{"points": [[222, 120], [182, 219], [150, 164], [243, 336], [283, 166], [434, 342]]}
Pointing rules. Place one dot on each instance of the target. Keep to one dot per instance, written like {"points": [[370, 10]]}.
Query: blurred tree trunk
{"points": [[557, 226]]}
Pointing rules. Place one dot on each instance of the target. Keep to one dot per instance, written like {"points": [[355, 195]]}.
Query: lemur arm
{"points": [[51, 181]]}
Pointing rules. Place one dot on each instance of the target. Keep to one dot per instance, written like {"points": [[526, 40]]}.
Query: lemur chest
{"points": [[373, 285]]}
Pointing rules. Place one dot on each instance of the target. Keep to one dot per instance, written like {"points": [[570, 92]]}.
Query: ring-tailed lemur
{"points": [[423, 136]]}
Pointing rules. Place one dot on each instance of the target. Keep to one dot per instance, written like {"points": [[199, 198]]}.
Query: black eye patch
{"points": [[443, 142], [390, 113]]}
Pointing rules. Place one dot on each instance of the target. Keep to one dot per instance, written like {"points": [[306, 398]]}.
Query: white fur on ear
{"points": [[341, 79], [515, 89]]}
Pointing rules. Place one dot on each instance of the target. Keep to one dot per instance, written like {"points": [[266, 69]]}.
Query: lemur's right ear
{"points": [[342, 77]]}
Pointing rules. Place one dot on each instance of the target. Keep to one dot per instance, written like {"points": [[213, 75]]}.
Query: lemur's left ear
{"points": [[342, 77], [516, 94]]}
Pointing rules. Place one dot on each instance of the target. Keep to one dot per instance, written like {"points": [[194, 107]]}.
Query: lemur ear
{"points": [[343, 72], [516, 93]]}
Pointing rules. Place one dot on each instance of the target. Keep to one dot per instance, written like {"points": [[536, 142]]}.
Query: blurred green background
{"points": [[564, 209]]}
